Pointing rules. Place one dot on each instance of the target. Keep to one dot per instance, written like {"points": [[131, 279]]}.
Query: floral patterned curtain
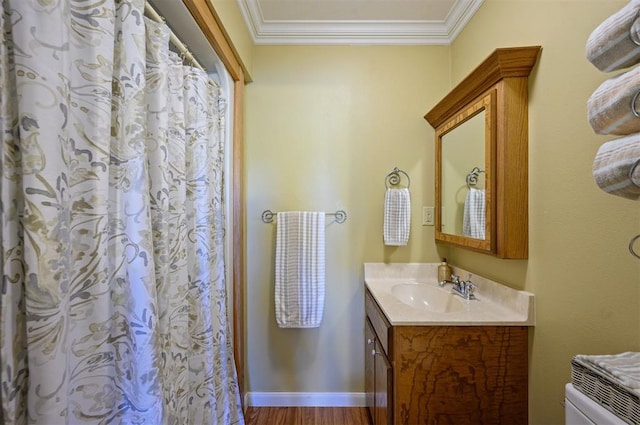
{"points": [[113, 302]]}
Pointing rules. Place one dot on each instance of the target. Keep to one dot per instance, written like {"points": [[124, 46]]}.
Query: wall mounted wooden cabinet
{"points": [[482, 156]]}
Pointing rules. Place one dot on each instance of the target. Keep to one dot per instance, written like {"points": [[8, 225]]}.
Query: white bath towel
{"points": [[623, 368], [612, 45], [614, 168], [397, 217], [473, 219], [612, 107], [300, 269]]}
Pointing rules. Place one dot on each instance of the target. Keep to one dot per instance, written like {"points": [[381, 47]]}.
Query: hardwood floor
{"points": [[306, 416]]}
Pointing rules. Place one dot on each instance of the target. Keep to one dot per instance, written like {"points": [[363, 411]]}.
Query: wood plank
{"points": [[357, 415], [306, 416]]}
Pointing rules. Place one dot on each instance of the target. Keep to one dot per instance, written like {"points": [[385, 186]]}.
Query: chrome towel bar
{"points": [[340, 216]]}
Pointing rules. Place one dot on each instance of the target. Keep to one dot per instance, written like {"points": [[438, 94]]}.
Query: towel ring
{"points": [[472, 177], [394, 178], [633, 104], [633, 35], [267, 216], [633, 170], [631, 243]]}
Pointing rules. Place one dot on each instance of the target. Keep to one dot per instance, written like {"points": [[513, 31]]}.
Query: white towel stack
{"points": [[623, 368], [614, 105], [300, 269], [397, 217], [473, 219]]}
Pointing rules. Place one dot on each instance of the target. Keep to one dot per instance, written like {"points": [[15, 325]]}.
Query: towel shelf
{"points": [[340, 216]]}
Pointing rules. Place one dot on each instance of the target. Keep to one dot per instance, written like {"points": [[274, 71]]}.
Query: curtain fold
{"points": [[113, 307]]}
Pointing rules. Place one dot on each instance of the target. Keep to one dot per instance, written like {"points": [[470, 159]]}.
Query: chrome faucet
{"points": [[465, 289], [455, 280]]}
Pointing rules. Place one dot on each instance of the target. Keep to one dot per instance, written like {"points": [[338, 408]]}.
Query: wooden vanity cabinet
{"points": [[444, 374]]}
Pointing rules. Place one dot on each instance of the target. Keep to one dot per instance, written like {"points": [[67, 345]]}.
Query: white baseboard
{"points": [[281, 399]]}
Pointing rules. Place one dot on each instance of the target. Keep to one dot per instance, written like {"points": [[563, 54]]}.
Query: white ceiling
{"points": [[356, 21]]}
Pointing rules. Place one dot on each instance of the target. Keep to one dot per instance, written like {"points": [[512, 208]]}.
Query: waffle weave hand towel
{"points": [[397, 217], [613, 44], [615, 170], [473, 219], [300, 269]]}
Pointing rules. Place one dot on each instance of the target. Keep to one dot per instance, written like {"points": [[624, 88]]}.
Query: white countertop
{"points": [[496, 304]]}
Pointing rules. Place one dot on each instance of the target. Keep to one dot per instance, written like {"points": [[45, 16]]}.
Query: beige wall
{"points": [[586, 284], [324, 125], [233, 22]]}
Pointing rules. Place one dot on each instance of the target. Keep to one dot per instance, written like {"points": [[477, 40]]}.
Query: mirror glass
{"points": [[463, 187], [464, 146]]}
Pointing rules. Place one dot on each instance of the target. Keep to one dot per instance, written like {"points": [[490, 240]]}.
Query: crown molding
{"points": [[299, 32], [506, 62]]}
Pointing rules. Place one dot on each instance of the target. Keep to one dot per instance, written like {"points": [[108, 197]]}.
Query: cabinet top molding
{"points": [[509, 62]]}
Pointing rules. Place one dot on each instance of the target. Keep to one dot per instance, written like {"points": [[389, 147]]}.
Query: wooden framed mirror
{"points": [[494, 94], [465, 163]]}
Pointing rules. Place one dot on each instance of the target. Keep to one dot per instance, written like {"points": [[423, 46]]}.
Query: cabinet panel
{"points": [[369, 368], [383, 388], [378, 321], [466, 375]]}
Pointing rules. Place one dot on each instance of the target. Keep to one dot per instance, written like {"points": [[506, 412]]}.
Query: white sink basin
{"points": [[427, 297], [408, 294]]}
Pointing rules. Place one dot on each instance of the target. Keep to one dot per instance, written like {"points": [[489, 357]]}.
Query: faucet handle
{"points": [[470, 287], [455, 278]]}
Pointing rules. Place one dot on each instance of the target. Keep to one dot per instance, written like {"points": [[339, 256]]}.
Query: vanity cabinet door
{"points": [[378, 371], [369, 367], [383, 388]]}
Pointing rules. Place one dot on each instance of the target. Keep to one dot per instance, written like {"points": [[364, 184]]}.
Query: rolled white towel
{"points": [[613, 105], [612, 45], [614, 167]]}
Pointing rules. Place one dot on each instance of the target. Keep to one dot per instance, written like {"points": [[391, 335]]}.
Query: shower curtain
{"points": [[113, 301]]}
